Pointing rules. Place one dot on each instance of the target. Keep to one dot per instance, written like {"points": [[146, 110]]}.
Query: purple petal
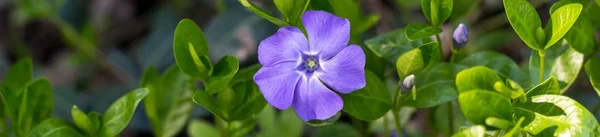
{"points": [[345, 72], [285, 45], [314, 101], [277, 83], [327, 33]]}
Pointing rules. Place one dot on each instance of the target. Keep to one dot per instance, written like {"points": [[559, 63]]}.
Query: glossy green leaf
{"points": [[191, 50], [370, 102], [591, 69], [245, 74], [225, 69], [36, 105], [574, 120], [562, 20], [416, 31], [169, 101], [474, 131], [477, 105], [434, 86], [561, 61], [581, 35], [411, 62], [96, 122], [118, 115], [19, 75], [437, 11], [292, 9], [478, 77], [391, 45], [498, 123], [262, 13], [55, 128], [241, 128], [286, 124], [336, 130], [200, 128], [550, 86], [525, 21], [82, 121], [244, 101], [499, 63]]}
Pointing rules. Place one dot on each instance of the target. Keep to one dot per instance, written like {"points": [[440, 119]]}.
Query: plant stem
{"points": [[542, 54], [221, 127], [497, 133], [395, 110], [441, 49], [450, 118]]}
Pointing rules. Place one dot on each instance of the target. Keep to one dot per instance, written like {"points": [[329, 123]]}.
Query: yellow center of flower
{"points": [[311, 63]]}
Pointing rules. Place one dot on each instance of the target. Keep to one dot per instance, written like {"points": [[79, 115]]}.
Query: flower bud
{"points": [[408, 83], [460, 36]]}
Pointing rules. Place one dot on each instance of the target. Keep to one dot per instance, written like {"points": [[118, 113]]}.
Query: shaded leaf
{"points": [[478, 77], [474, 131], [499, 63], [391, 45], [118, 115], [262, 13], [477, 105], [370, 102], [55, 128], [337, 130], [415, 31], [434, 86], [224, 70], [525, 21], [593, 74], [36, 105], [550, 86], [200, 128], [191, 50], [292, 9], [561, 61]]}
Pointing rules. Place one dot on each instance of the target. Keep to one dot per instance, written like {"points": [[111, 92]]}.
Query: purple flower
{"points": [[302, 72], [461, 35]]}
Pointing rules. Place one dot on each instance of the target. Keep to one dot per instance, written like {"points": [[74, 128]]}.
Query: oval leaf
{"points": [[550, 86], [391, 45], [82, 121], [36, 105], [478, 77], [409, 63], [434, 86], [370, 102], [260, 12], [525, 21], [496, 105], [225, 69], [593, 74], [415, 31], [292, 9], [118, 115], [191, 50], [582, 34], [199, 128], [562, 20], [55, 128]]}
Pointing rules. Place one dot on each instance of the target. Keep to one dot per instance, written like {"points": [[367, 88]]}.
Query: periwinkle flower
{"points": [[460, 36], [302, 72]]}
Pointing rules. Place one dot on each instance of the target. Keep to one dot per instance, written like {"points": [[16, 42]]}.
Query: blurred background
{"points": [[94, 51]]}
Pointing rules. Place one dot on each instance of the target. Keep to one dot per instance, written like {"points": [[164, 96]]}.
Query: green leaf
{"points": [[191, 50], [437, 11], [499, 63], [225, 69], [36, 105], [243, 102], [336, 130], [200, 128], [169, 101], [574, 120], [434, 86], [561, 61], [593, 74], [118, 115], [262, 13], [241, 128], [245, 74], [515, 129], [478, 77], [82, 121], [292, 9], [525, 21], [55, 128], [19, 75], [410, 62], [415, 31], [351, 10], [286, 124], [391, 45], [474, 131], [477, 105], [562, 20], [582, 34], [95, 117], [550, 86], [370, 102]]}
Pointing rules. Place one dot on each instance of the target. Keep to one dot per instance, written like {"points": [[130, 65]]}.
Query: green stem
{"points": [[395, 110], [497, 133], [441, 49], [450, 118], [221, 127], [542, 54]]}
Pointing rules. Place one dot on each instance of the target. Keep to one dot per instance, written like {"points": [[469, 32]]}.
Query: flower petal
{"points": [[277, 83], [345, 72], [286, 44], [327, 34], [314, 101]]}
